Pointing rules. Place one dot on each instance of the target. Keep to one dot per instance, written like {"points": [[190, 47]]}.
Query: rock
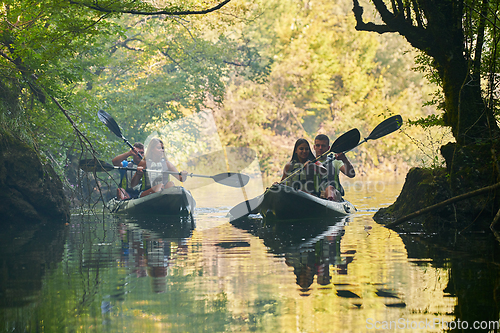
{"points": [[30, 191], [467, 169]]}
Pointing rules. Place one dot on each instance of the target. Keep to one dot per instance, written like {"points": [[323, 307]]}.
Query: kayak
{"points": [[173, 201], [283, 202]]}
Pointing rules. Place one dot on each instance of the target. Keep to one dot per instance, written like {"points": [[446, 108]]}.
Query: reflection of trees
{"points": [[25, 254], [474, 272]]}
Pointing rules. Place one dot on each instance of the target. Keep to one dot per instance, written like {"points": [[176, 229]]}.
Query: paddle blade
{"points": [[109, 122], [246, 207], [231, 179], [347, 141], [94, 165], [386, 127]]}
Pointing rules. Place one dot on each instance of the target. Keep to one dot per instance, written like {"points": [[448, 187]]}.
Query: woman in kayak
{"points": [[300, 173], [156, 159]]}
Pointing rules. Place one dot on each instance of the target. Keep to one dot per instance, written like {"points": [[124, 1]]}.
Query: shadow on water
{"points": [[473, 262], [311, 247], [26, 253]]}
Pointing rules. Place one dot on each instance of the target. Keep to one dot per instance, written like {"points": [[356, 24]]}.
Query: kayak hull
{"points": [[283, 202], [173, 201]]}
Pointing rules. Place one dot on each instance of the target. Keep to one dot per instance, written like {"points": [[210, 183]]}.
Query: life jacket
{"points": [[126, 177], [154, 178], [309, 183], [333, 167]]}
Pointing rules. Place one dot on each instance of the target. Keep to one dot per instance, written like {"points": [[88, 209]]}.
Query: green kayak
{"points": [[173, 201], [283, 202]]}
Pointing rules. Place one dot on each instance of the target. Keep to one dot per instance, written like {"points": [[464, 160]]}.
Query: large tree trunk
{"points": [[465, 111], [436, 28]]}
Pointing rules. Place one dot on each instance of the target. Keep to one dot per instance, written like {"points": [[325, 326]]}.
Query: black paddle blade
{"points": [[246, 207], [109, 122], [386, 127], [231, 179], [347, 141], [93, 165]]}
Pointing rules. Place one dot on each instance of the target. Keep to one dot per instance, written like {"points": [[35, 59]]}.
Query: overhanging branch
{"points": [[362, 26], [99, 8]]}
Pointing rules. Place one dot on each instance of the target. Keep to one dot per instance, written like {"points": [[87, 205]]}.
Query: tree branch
{"points": [[442, 204], [99, 8], [418, 17], [362, 26], [418, 37]]}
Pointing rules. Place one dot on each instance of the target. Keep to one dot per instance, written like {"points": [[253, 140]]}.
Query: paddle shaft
{"points": [[133, 148], [113, 126], [159, 171], [227, 178], [385, 127]]}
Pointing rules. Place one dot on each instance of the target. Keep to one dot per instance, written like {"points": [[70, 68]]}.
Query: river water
{"points": [[102, 273]]}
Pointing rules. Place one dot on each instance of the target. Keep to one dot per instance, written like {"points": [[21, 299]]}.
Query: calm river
{"points": [[114, 274]]}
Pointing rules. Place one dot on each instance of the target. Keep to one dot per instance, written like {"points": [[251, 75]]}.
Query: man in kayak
{"points": [[129, 159], [333, 189]]}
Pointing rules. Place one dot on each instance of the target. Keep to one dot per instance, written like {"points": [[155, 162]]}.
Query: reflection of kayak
{"points": [[163, 227], [282, 202], [173, 201]]}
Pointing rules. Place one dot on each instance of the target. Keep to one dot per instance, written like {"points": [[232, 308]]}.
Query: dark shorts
{"points": [[134, 194]]}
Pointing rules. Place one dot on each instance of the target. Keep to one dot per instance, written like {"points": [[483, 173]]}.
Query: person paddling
{"points": [[156, 159], [310, 174], [129, 159], [332, 187]]}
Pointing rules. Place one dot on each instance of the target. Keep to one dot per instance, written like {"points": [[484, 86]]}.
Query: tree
{"points": [[323, 79], [47, 47], [460, 39], [50, 49]]}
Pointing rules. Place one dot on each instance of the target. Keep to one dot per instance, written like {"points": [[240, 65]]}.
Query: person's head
{"points": [[302, 151], [155, 150], [321, 144], [139, 147]]}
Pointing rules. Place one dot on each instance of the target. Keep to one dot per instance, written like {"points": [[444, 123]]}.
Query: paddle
{"points": [[345, 142], [226, 178], [113, 126], [386, 127]]}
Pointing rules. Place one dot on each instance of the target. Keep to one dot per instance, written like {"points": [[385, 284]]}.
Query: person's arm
{"points": [[117, 161], [285, 171], [138, 174], [347, 169], [181, 176]]}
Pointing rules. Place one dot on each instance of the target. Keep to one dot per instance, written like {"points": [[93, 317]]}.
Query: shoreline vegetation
{"points": [[268, 73]]}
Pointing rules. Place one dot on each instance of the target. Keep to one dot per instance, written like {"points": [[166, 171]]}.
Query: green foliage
{"points": [[88, 56], [325, 78], [271, 72], [430, 120]]}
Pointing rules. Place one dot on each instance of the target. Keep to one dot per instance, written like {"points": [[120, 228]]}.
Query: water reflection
{"points": [[474, 273], [116, 274], [149, 245], [26, 254], [311, 247]]}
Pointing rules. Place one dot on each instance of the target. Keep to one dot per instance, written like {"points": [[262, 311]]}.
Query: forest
{"points": [[268, 72]]}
